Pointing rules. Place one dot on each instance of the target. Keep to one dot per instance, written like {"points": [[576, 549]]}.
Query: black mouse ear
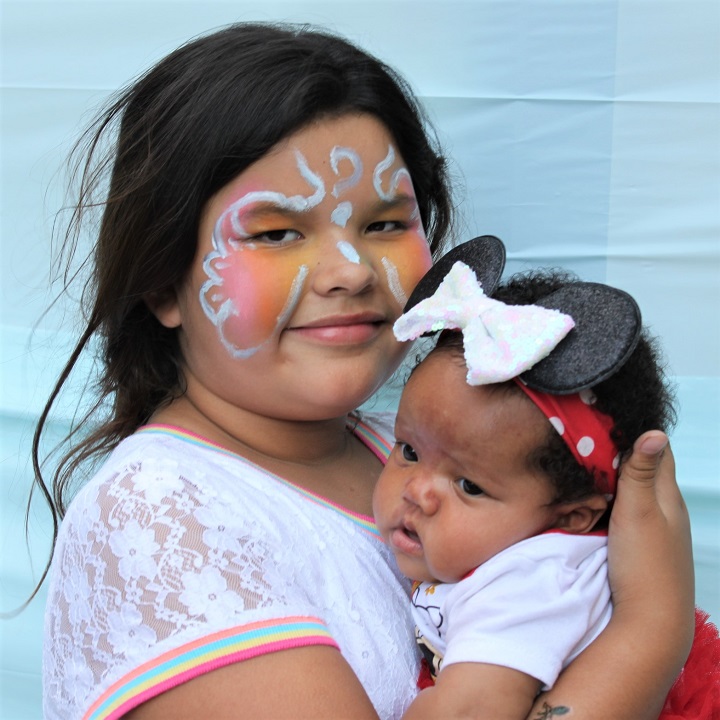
{"points": [[607, 328], [484, 255]]}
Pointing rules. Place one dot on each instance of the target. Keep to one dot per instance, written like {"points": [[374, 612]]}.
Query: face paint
{"points": [[395, 180], [348, 252], [295, 203], [341, 214], [393, 279], [228, 311], [344, 153], [236, 297], [247, 310]]}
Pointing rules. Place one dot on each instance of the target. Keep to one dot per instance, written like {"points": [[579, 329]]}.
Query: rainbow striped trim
{"points": [[374, 441], [201, 656], [381, 446]]}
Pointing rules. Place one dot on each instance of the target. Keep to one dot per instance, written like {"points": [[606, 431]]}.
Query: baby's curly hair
{"points": [[638, 397]]}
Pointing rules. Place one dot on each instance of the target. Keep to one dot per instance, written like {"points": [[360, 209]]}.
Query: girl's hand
{"points": [[627, 672], [650, 549]]}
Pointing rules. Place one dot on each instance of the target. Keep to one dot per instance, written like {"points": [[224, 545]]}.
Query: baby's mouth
{"points": [[411, 534], [404, 539]]}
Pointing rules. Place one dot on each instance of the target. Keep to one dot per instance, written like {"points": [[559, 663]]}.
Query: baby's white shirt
{"points": [[533, 607]]}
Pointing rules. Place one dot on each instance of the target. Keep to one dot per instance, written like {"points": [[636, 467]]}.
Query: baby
{"points": [[496, 496]]}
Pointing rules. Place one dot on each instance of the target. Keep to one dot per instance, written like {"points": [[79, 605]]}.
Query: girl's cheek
{"points": [[405, 262], [259, 287]]}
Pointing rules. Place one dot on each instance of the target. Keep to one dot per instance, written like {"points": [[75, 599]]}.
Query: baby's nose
{"points": [[422, 491]]}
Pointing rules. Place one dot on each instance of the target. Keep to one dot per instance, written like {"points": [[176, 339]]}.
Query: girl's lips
{"points": [[342, 329], [406, 542], [349, 334]]}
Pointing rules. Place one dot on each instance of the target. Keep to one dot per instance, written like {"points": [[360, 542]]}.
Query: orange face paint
{"points": [[266, 243]]}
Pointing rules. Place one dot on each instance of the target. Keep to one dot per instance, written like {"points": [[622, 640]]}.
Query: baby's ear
{"points": [[582, 515], [165, 307]]}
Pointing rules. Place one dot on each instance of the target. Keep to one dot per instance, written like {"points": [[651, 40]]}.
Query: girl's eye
{"points": [[275, 237], [469, 487], [407, 452], [384, 226]]}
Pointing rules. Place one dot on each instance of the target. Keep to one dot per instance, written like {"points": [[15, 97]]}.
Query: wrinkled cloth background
{"points": [[584, 134]]}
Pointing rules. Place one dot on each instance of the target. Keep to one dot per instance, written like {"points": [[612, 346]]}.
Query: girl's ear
{"points": [[582, 515], [165, 307]]}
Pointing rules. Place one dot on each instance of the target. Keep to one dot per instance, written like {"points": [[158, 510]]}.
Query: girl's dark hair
{"points": [[186, 128], [637, 397]]}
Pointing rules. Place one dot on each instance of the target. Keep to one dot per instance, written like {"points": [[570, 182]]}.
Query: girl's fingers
{"points": [[642, 466], [648, 485]]}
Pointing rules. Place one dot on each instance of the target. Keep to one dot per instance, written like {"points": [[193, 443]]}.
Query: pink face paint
{"points": [[246, 309], [236, 297]]}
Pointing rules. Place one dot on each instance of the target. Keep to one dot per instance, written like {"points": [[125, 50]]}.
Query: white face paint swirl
{"points": [[393, 279], [296, 203], [227, 309], [348, 252], [220, 294], [344, 153], [395, 179], [341, 214], [217, 307]]}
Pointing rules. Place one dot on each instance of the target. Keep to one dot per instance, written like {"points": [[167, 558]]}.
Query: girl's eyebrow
{"points": [[399, 200], [260, 210], [263, 209]]}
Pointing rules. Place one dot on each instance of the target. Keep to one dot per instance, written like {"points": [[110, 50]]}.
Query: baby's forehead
{"points": [[438, 391]]}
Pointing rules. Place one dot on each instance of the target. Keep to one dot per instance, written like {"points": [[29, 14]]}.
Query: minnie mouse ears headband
{"points": [[555, 350], [561, 355]]}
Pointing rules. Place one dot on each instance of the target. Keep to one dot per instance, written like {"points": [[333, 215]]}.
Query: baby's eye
{"points": [[275, 237], [407, 452], [384, 226], [469, 487]]}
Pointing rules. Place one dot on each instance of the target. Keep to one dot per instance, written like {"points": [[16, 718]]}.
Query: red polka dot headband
{"points": [[585, 430]]}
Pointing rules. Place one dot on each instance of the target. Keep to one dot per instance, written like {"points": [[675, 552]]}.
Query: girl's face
{"points": [[304, 262], [458, 487]]}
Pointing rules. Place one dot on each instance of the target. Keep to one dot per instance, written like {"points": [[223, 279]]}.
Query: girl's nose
{"points": [[421, 491], [343, 268]]}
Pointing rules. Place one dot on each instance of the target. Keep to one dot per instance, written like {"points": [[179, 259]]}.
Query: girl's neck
{"points": [[308, 443], [321, 456]]}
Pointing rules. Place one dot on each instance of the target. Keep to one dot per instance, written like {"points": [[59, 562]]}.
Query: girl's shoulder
{"points": [[169, 451], [161, 469]]}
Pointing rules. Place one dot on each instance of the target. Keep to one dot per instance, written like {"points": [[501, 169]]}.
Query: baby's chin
{"points": [[414, 572]]}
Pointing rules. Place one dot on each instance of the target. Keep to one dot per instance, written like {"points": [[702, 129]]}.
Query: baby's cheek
{"points": [[259, 286]]}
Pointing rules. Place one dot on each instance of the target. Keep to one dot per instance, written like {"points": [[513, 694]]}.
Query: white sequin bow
{"points": [[501, 341]]}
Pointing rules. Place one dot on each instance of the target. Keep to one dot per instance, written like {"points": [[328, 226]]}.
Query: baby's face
{"points": [[458, 487]]}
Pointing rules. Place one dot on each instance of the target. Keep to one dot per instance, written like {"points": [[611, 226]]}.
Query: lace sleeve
{"points": [[147, 562]]}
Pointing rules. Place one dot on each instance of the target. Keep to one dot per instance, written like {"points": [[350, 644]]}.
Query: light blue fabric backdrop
{"points": [[584, 133]]}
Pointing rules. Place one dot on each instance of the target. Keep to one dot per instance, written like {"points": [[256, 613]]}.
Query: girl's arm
{"points": [[312, 682], [475, 690], [627, 672]]}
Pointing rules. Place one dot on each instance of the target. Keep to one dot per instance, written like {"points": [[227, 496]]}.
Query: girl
{"points": [[499, 515], [273, 199]]}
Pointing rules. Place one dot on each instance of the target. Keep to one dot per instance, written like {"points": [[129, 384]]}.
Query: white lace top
{"points": [[179, 557]]}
